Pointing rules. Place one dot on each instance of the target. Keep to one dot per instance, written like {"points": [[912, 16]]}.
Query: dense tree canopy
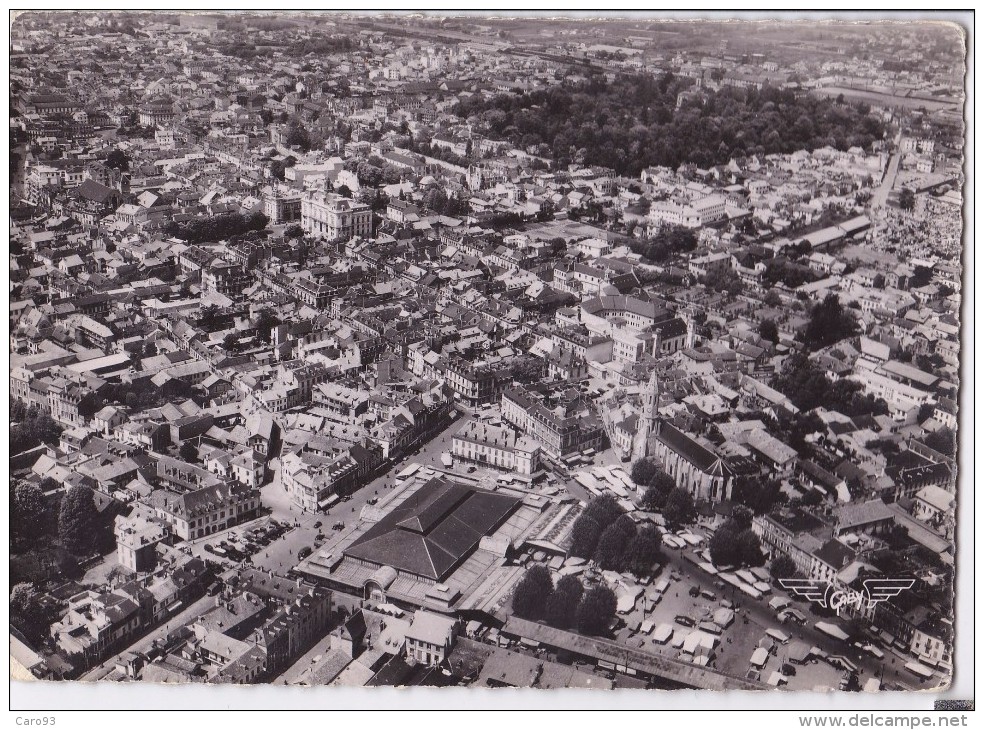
{"points": [[633, 122], [944, 440], [218, 227], [530, 596], [808, 387], [769, 331], [29, 613], [782, 567], [760, 494], [613, 545], [584, 537], [596, 610], [118, 160], [77, 520], [680, 509], [829, 323], [35, 428], [643, 552], [600, 513], [561, 607], [736, 545]]}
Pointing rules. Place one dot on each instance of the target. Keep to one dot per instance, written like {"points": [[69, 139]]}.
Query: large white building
{"points": [[334, 217], [497, 447]]}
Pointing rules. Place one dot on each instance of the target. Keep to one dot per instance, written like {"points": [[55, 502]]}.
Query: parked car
{"points": [[685, 621], [338, 526], [694, 591], [318, 523], [304, 552]]}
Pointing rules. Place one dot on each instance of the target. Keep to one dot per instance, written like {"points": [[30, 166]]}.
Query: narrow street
{"points": [[192, 612]]}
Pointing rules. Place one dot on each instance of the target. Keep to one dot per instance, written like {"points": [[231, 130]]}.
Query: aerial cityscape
{"points": [[378, 350]]}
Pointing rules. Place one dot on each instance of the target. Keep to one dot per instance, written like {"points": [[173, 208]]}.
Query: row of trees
{"points": [[217, 227], [565, 606], [604, 534], [662, 494]]}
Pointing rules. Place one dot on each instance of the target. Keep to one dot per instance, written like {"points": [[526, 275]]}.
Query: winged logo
{"points": [[881, 589], [813, 590]]}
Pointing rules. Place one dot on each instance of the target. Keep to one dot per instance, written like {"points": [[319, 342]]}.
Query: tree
{"points": [[921, 276], [644, 471], [30, 503], [118, 160], [604, 510], [36, 429], [596, 610], [29, 612], [723, 279], [829, 323], [759, 494], [782, 567], [907, 199], [926, 411], [772, 298], [769, 331], [643, 552], [344, 190], [584, 536], [266, 320], [188, 452], [297, 136], [723, 546], [944, 440], [735, 545], [611, 553], [680, 509], [561, 607], [654, 499], [294, 231], [749, 549], [530, 596], [230, 342], [77, 520], [741, 516], [802, 382], [28, 510]]}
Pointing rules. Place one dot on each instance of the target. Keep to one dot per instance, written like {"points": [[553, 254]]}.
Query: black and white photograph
{"points": [[458, 351]]}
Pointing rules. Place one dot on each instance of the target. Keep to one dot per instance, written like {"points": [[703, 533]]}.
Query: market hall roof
{"points": [[433, 531]]}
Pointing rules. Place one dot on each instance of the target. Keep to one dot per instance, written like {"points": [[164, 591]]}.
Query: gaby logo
{"points": [[823, 593]]}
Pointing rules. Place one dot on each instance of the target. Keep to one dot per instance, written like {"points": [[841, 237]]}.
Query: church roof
{"points": [[700, 456]]}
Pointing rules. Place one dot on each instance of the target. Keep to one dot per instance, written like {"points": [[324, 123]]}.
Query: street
{"points": [[281, 555], [187, 616]]}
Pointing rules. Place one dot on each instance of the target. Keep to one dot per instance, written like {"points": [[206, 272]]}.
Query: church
{"points": [[693, 466]]}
